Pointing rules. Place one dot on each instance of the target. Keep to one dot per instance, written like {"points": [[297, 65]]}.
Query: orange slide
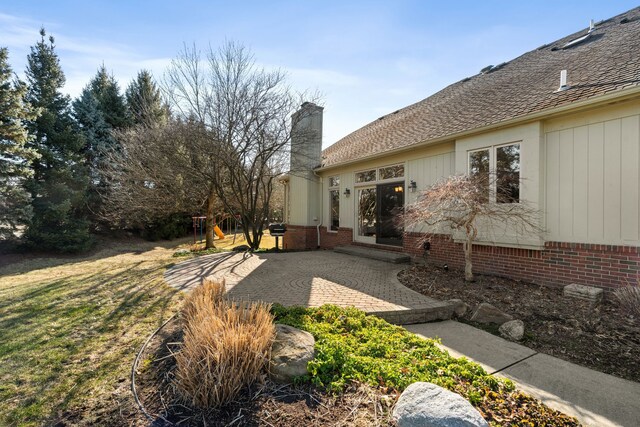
{"points": [[218, 232]]}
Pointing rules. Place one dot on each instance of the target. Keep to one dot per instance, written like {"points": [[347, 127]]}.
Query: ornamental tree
{"points": [[463, 204]]}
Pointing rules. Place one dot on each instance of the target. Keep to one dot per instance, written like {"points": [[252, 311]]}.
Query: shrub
{"points": [[629, 299], [171, 227], [354, 347], [226, 346]]}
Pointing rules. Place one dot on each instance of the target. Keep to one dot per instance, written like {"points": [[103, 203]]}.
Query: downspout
{"points": [[321, 207]]}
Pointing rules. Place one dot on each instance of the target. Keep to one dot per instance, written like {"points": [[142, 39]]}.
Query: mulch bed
{"points": [[264, 404], [603, 338]]}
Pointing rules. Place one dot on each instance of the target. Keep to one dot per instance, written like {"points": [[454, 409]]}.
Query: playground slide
{"points": [[218, 232]]}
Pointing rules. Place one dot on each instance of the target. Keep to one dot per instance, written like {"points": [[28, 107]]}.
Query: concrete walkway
{"points": [[312, 279], [596, 399]]}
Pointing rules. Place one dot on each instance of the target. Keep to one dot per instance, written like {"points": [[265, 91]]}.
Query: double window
{"points": [[380, 174], [499, 166], [334, 203]]}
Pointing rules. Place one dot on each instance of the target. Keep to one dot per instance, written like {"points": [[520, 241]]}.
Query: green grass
{"points": [[354, 347], [69, 330]]}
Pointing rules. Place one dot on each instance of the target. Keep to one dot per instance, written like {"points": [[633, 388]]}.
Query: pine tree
{"points": [[100, 111], [145, 101], [59, 183], [111, 102], [15, 157]]}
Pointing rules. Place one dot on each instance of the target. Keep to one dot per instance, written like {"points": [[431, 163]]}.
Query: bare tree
{"points": [[462, 203], [246, 112], [159, 171]]}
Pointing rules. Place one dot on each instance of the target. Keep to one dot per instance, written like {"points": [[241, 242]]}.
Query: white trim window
{"points": [[334, 203], [501, 165], [384, 174]]}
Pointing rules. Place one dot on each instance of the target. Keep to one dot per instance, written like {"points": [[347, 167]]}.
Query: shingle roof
{"points": [[608, 60]]}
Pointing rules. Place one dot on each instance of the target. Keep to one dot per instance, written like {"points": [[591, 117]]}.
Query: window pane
{"points": [[396, 171], [508, 174], [479, 167], [366, 176], [334, 181], [334, 203]]}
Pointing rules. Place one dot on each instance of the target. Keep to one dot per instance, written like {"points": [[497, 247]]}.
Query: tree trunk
{"points": [[468, 267], [210, 221]]}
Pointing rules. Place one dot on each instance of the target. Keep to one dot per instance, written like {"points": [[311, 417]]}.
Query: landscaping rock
{"points": [[460, 307], [486, 313], [512, 330], [587, 293], [425, 404], [290, 353]]}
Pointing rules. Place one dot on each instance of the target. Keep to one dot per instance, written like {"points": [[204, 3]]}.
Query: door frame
{"points": [[356, 230]]}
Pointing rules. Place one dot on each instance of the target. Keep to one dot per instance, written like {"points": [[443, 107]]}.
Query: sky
{"points": [[366, 58]]}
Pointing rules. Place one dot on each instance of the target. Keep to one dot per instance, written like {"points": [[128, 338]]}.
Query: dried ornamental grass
{"points": [[629, 299], [226, 346]]}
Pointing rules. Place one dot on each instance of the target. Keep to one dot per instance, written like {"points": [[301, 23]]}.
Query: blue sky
{"points": [[367, 58]]}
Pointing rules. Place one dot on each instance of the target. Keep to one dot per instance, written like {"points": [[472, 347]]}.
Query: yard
{"points": [[70, 328], [604, 338]]}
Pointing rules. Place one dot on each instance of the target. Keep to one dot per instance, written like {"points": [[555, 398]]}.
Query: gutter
{"points": [[621, 95], [321, 207]]}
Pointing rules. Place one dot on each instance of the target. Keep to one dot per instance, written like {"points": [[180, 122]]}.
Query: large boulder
{"points": [[512, 330], [486, 313], [428, 405], [291, 351]]}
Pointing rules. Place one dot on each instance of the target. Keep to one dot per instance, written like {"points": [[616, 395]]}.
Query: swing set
{"points": [[200, 226]]}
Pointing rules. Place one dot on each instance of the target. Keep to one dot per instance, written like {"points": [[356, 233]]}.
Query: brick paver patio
{"points": [[312, 279]]}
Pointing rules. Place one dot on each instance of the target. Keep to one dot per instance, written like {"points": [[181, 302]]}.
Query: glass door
{"points": [[366, 221], [390, 204]]}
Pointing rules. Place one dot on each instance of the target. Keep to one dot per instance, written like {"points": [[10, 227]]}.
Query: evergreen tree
{"points": [[111, 102], [145, 101], [100, 110], [15, 157], [59, 183]]}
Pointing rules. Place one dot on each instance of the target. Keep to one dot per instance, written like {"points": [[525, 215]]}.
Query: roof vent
{"points": [[592, 26], [563, 81], [486, 69], [496, 68]]}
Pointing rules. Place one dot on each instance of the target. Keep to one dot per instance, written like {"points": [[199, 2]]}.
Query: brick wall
{"points": [[558, 263], [300, 237], [342, 237]]}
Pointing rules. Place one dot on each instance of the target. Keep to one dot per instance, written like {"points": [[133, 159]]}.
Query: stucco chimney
{"points": [[306, 139]]}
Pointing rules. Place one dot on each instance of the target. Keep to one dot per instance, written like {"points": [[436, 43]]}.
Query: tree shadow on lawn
{"points": [[26, 261], [63, 341]]}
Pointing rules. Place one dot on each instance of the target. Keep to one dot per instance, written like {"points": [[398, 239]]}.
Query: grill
{"points": [[277, 229]]}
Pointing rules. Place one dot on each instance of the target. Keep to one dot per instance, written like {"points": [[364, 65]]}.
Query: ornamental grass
{"points": [[629, 299], [226, 346]]}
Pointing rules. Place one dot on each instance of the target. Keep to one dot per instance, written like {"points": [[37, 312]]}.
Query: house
{"points": [[565, 117]]}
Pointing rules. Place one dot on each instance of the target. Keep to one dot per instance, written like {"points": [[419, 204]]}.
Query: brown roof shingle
{"points": [[609, 60]]}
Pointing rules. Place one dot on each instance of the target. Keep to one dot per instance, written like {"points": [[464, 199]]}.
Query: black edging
{"points": [[133, 373]]}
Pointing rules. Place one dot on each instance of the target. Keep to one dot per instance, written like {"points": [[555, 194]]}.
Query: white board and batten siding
{"points": [[427, 171], [592, 178]]}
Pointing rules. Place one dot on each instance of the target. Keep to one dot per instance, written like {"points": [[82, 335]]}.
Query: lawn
{"points": [[70, 328]]}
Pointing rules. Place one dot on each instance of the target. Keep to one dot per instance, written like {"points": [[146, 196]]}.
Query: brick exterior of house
{"points": [[558, 264]]}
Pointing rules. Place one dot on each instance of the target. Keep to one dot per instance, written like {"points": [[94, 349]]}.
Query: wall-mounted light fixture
{"points": [[413, 186], [347, 192]]}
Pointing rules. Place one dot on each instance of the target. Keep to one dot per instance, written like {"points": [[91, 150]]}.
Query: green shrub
{"points": [[169, 228], [354, 347]]}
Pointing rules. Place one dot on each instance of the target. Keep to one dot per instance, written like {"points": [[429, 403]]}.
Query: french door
{"points": [[377, 208]]}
